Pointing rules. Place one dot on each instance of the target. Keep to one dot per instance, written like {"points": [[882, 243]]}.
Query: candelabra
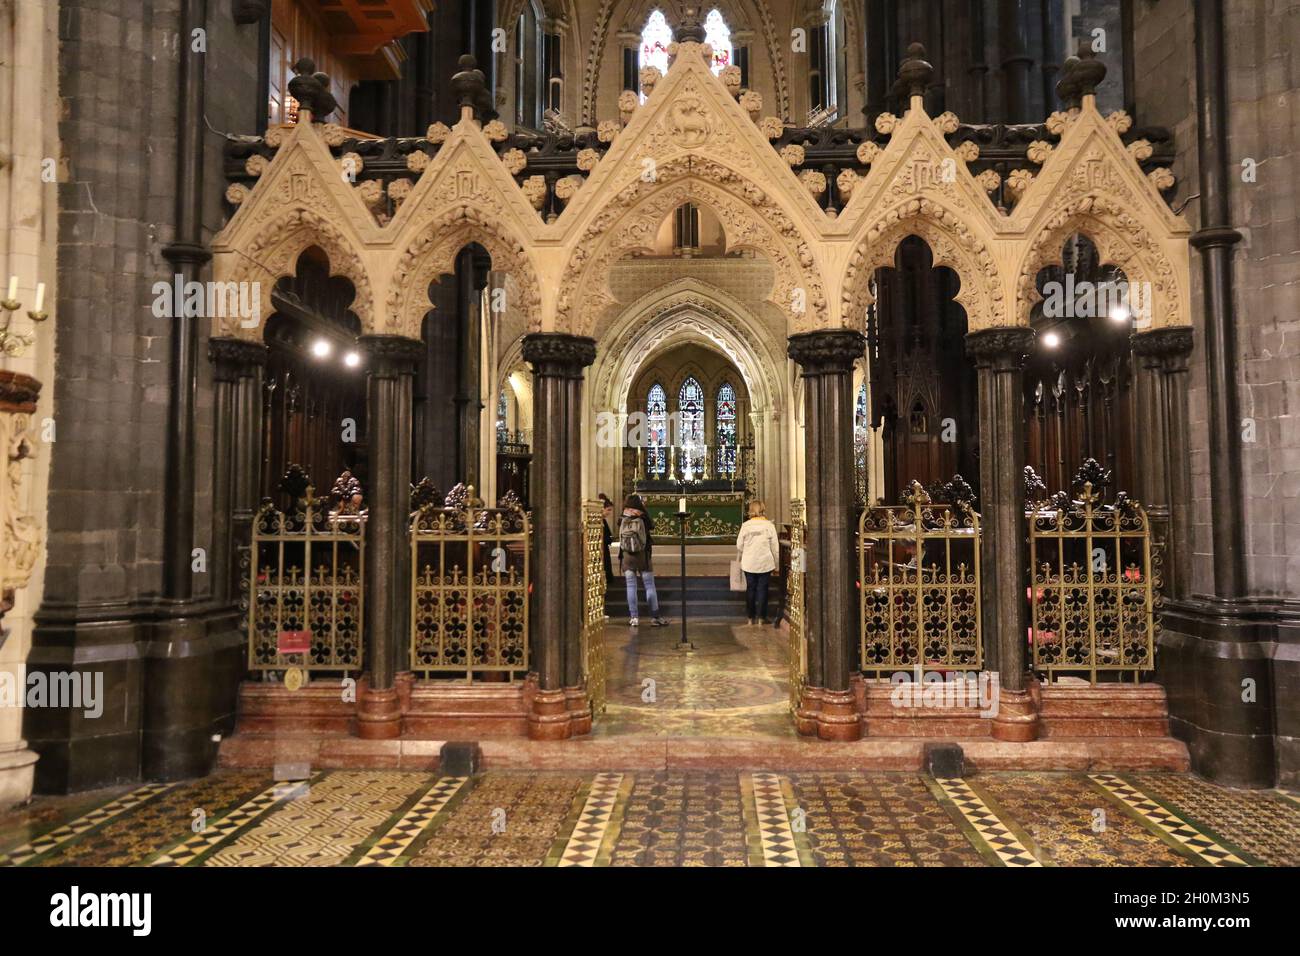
{"points": [[14, 343]]}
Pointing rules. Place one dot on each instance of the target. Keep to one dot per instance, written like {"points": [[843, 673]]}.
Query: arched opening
{"points": [[923, 404], [1079, 379], [314, 399]]}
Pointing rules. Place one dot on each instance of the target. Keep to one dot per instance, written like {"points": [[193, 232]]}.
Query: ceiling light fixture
{"points": [[321, 348]]}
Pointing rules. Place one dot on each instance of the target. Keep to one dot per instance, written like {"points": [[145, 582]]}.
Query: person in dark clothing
{"points": [[607, 536], [634, 553]]}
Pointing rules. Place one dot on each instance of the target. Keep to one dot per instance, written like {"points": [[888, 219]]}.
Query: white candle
{"points": [[40, 296], [681, 505], [13, 288]]}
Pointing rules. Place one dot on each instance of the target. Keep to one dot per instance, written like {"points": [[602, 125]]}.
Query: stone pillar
{"points": [[999, 355], [561, 707], [237, 411], [1162, 447], [826, 359], [392, 360]]}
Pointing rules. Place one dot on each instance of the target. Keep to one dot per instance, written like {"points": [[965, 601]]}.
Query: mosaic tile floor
{"points": [[734, 683], [705, 818]]}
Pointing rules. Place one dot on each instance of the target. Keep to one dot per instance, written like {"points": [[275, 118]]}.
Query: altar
{"points": [[716, 508]]}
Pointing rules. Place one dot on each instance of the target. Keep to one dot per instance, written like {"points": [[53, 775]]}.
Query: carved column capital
{"points": [[1002, 348], [558, 354], [391, 355], [233, 359], [827, 351], [18, 392], [1167, 348]]}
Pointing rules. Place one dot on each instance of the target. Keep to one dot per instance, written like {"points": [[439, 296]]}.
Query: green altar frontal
{"points": [[714, 516]]}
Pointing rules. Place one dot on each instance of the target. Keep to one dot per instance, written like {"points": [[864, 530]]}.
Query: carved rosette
{"points": [[558, 355]]}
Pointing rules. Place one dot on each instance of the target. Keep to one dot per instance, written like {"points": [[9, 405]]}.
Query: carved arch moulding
{"points": [[710, 150]]}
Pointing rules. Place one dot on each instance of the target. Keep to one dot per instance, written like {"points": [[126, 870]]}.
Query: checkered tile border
{"points": [[390, 847], [74, 828], [773, 816], [594, 820], [988, 827], [217, 830], [1166, 821]]}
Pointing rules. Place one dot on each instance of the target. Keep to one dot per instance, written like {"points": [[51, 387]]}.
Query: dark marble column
{"points": [[1162, 449], [999, 355], [237, 410], [560, 707], [826, 359], [392, 361]]}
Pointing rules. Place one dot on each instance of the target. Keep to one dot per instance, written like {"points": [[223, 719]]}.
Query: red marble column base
{"points": [[805, 715], [579, 705], [550, 718], [838, 718], [402, 683], [1017, 717], [379, 712]]}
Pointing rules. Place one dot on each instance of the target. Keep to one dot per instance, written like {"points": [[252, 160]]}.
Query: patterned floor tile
{"points": [[227, 825], [506, 820], [1263, 823], [1208, 849], [683, 819], [389, 849], [734, 684], [81, 824], [994, 832], [322, 826], [769, 821], [598, 822], [878, 819], [1059, 811]]}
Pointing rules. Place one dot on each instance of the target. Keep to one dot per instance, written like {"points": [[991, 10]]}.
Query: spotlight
{"points": [[1120, 313], [1051, 340], [321, 348], [352, 360]]}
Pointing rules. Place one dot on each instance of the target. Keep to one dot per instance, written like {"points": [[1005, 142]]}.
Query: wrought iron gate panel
{"points": [[794, 587], [919, 574], [306, 587], [1094, 585], [593, 604], [470, 583]]}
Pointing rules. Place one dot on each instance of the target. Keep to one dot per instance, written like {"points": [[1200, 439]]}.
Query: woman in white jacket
{"points": [[759, 554]]}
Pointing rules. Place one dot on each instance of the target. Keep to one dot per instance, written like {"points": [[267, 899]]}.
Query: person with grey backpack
{"points": [[634, 547]]}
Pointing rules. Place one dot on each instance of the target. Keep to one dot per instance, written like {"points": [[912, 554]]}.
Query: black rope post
{"points": [[683, 515]]}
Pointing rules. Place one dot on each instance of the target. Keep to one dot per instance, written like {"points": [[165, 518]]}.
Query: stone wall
{"points": [[1263, 84]]}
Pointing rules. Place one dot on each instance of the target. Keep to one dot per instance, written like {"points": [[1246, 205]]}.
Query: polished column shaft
{"points": [[999, 355], [560, 708], [826, 360]]}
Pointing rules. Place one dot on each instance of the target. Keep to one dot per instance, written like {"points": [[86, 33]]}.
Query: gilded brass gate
{"points": [[305, 588], [593, 604], [794, 591], [919, 570], [1095, 579], [470, 580]]}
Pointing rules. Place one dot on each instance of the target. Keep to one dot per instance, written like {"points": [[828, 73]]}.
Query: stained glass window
{"points": [[718, 36], [503, 411], [860, 411], [656, 409], [654, 42], [725, 430], [690, 417]]}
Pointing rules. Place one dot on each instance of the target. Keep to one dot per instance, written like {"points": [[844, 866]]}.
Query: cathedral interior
{"points": [[349, 342]]}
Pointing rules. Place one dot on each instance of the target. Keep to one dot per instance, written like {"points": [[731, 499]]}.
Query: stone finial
{"points": [[691, 30], [312, 90], [915, 72], [1089, 71], [470, 86]]}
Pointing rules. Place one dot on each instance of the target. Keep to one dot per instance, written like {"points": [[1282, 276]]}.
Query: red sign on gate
{"points": [[293, 642]]}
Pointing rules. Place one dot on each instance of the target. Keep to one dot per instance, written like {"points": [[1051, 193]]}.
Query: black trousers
{"points": [[756, 594]]}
